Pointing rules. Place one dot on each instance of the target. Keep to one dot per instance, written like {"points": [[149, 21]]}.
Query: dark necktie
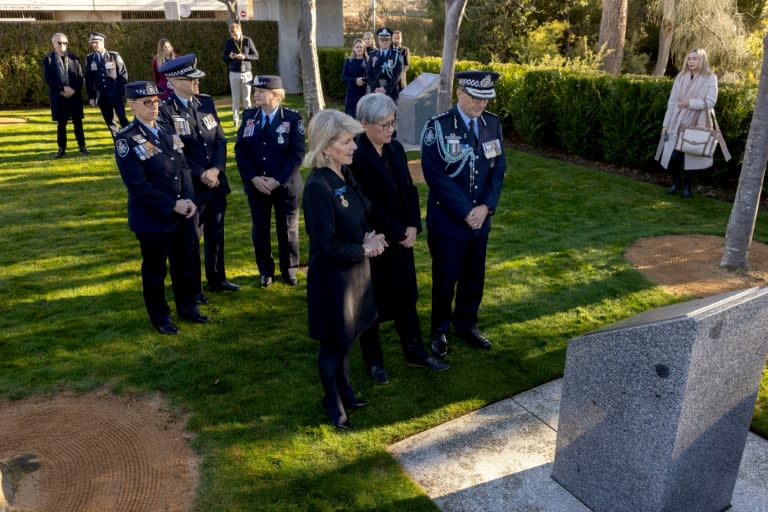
{"points": [[472, 134], [265, 126]]}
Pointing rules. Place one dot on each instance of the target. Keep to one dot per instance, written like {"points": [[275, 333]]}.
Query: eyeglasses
{"points": [[185, 79], [149, 103], [388, 126], [62, 42]]}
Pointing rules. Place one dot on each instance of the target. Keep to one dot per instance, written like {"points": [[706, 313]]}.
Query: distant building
{"points": [[330, 20]]}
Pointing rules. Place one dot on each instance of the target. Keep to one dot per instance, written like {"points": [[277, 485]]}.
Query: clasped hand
{"points": [[185, 207], [476, 216], [210, 177], [265, 184], [374, 243]]}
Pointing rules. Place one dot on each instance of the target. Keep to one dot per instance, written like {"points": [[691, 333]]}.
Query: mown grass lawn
{"points": [[73, 319]]}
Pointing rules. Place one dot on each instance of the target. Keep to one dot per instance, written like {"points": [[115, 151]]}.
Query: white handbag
{"points": [[702, 141]]}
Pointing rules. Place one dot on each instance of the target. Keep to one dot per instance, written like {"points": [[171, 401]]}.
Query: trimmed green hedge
{"points": [[23, 45]]}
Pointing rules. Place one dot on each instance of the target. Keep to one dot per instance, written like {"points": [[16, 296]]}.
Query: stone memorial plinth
{"points": [[655, 410], [416, 105]]}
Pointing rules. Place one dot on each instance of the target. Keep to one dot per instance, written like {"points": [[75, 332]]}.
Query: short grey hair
{"points": [[56, 35], [323, 129], [374, 107]]}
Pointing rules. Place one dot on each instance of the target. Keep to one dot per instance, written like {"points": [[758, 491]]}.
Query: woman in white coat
{"points": [[693, 94]]}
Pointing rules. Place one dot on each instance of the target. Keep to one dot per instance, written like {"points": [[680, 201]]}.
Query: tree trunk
{"points": [[666, 31], [310, 69], [232, 15], [613, 29], [454, 13], [741, 225]]}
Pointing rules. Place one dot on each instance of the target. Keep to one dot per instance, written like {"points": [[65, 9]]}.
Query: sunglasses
{"points": [[62, 42]]}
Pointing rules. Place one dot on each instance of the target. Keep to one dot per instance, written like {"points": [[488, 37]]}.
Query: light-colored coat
{"points": [[701, 93]]}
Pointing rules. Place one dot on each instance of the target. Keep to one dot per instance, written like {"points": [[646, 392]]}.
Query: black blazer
{"points": [[61, 106]]}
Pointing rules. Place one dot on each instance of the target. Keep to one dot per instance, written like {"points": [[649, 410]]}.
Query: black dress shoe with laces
{"points": [[59, 153], [266, 281], [224, 286], [474, 338], [201, 299], [429, 363], [166, 328], [194, 315], [440, 345]]}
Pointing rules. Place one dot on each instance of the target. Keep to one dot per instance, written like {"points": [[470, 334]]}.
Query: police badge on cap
{"points": [[183, 66], [140, 89], [267, 82], [96, 36], [478, 84], [384, 33]]}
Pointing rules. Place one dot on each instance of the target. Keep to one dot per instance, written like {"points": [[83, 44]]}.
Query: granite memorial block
{"points": [[655, 410], [416, 105]]}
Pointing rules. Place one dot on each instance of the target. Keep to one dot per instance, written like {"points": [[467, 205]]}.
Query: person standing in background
{"points": [[239, 53], [385, 66], [354, 75], [164, 53], [405, 53], [369, 43], [105, 79], [64, 75]]}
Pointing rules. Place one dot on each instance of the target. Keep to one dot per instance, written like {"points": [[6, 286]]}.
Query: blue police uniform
{"points": [[385, 68], [155, 172], [461, 175], [105, 80], [275, 152], [205, 146]]}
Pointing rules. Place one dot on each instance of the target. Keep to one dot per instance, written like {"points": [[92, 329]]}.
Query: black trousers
{"points": [[286, 208], [211, 228], [61, 131], [408, 328], [458, 267], [177, 248], [333, 364], [111, 106]]}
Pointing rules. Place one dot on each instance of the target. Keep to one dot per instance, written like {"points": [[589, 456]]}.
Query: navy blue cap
{"points": [[140, 89], [384, 32], [267, 82], [96, 36], [478, 84], [185, 65]]}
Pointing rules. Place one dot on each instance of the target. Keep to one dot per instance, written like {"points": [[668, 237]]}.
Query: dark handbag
{"points": [[702, 141]]}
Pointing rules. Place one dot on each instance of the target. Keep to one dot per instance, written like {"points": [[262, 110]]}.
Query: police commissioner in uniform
{"points": [[462, 158]]}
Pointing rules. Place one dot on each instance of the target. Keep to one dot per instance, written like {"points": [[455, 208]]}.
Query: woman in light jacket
{"points": [[693, 94]]}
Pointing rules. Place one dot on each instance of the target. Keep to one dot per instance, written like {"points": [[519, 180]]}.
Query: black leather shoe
{"points": [[291, 280], [357, 404], [429, 362], [59, 153], [439, 345], [379, 374], [194, 315], [167, 328], [474, 338], [342, 425], [84, 150], [201, 299], [225, 286], [266, 281]]}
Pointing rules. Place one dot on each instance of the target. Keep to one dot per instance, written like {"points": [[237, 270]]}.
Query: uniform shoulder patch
{"points": [[429, 137], [121, 148], [301, 126]]}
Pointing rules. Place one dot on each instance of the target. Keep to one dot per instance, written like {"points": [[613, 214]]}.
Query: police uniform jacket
{"points": [[278, 154], [460, 177], [106, 76], [340, 298], [57, 74], [156, 175], [385, 71], [205, 145], [386, 181]]}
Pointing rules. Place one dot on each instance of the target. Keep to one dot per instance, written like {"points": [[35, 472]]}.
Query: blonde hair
{"points": [[280, 93], [352, 49], [704, 69], [160, 55], [324, 129]]}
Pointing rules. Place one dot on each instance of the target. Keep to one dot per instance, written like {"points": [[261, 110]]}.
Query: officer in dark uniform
{"points": [[105, 79], [269, 150], [194, 117], [385, 66], [462, 157], [161, 210], [64, 75]]}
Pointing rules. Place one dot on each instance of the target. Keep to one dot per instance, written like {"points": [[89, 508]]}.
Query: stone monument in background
{"points": [[655, 410]]}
